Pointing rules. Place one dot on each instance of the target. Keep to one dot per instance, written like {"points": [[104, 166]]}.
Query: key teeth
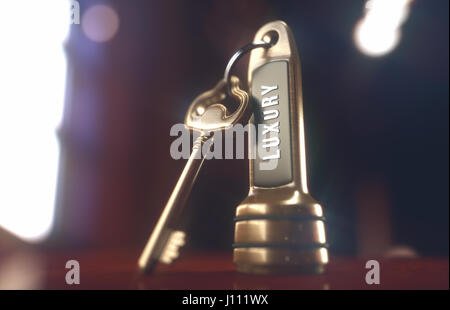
{"points": [[170, 252]]}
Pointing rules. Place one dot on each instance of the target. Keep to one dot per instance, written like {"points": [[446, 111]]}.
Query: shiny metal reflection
{"points": [[279, 226]]}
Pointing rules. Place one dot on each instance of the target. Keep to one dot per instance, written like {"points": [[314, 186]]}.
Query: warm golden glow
{"points": [[200, 110], [262, 253], [321, 231], [294, 199], [318, 209], [324, 255], [303, 157]]}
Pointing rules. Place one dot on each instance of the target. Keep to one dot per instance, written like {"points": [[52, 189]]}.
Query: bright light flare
{"points": [[379, 31], [324, 255], [32, 83]]}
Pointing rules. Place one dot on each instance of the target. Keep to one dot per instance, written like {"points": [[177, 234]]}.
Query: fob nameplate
{"points": [[270, 92]]}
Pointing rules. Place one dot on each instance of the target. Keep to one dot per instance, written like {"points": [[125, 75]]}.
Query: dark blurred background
{"points": [[376, 127]]}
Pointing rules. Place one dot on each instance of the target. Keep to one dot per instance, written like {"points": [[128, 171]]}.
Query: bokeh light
{"points": [[379, 31], [100, 23]]}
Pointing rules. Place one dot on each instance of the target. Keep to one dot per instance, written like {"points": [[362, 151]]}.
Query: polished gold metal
{"points": [[159, 246], [280, 228], [205, 115]]}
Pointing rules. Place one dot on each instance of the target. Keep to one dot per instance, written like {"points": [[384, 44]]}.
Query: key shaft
{"points": [[160, 235], [207, 114]]}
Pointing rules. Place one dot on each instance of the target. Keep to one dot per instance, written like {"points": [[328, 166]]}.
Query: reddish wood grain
{"points": [[116, 269]]}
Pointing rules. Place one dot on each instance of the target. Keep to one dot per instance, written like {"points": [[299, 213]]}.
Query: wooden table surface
{"points": [[116, 269]]}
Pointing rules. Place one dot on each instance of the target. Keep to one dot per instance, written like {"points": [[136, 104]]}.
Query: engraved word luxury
{"points": [[270, 140]]}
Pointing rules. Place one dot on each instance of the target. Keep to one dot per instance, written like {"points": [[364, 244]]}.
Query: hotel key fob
{"points": [[279, 227]]}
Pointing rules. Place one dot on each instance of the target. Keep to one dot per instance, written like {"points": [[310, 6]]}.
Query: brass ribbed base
{"points": [[279, 260], [280, 231]]}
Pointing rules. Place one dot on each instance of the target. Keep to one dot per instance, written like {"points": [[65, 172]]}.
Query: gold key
{"points": [[206, 115]]}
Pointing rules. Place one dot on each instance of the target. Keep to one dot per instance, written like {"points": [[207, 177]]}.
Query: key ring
{"points": [[241, 52], [207, 112]]}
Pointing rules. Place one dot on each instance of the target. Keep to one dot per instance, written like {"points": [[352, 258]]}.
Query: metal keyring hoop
{"points": [[241, 52]]}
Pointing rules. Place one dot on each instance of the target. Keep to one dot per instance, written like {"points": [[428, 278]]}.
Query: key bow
{"points": [[208, 113]]}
